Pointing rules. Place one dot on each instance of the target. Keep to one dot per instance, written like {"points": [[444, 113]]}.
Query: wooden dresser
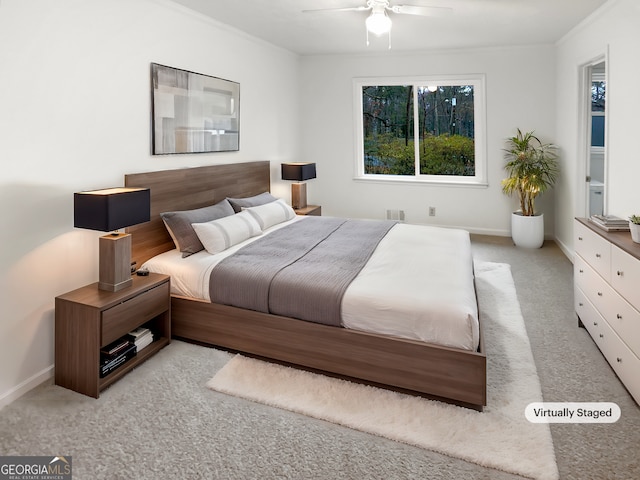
{"points": [[607, 297]]}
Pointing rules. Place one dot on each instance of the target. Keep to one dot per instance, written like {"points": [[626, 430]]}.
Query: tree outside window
{"points": [[419, 130]]}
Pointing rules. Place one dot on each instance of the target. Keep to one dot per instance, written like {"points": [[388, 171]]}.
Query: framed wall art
{"points": [[192, 112]]}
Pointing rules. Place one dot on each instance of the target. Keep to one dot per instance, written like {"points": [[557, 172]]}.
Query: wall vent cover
{"points": [[394, 214]]}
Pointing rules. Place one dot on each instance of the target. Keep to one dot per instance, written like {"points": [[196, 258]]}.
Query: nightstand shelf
{"points": [[135, 361], [88, 319]]}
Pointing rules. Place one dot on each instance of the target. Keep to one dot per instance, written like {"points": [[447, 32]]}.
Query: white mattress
{"points": [[418, 284]]}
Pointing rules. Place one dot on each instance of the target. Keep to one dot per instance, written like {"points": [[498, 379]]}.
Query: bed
{"points": [[388, 357]]}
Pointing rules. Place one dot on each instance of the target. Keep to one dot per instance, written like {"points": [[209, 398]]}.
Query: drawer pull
{"points": [[618, 316], [619, 273], [598, 255], [580, 304], [599, 294], [580, 238], [581, 271], [602, 335], [595, 324], [618, 359]]}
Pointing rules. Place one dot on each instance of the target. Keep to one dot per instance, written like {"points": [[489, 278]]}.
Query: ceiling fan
{"points": [[378, 22]]}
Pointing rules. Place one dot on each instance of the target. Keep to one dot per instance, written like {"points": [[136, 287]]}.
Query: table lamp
{"points": [[109, 210], [299, 172]]}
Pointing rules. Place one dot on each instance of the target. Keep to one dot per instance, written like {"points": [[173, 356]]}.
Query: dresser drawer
{"points": [[621, 358], [594, 249], [129, 314], [618, 355], [618, 313], [625, 275], [626, 322], [588, 314], [598, 291]]}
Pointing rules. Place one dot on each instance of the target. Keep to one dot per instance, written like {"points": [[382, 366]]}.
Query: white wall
{"points": [[613, 28], [75, 115], [520, 93]]}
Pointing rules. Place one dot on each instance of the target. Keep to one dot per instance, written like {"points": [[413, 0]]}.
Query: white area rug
{"points": [[500, 437]]}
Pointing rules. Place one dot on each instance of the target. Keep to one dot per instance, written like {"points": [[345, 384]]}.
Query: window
{"points": [[598, 101], [427, 129]]}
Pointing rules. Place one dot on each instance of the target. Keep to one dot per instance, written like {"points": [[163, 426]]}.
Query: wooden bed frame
{"points": [[450, 374]]}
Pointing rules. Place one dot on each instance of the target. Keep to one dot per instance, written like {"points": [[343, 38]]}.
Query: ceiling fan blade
{"points": [[424, 11], [346, 9]]}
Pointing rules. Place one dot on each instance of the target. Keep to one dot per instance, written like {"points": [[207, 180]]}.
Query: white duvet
{"points": [[418, 284]]}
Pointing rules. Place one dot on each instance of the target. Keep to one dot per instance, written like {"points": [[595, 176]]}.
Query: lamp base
{"points": [[299, 195], [114, 269]]}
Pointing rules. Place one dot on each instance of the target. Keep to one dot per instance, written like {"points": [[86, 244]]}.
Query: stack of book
{"points": [[610, 223], [115, 354], [141, 338]]}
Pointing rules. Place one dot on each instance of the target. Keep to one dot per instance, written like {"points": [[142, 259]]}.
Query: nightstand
{"points": [[309, 210], [88, 319]]}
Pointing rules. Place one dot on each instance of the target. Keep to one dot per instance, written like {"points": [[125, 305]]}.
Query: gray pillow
{"points": [[179, 225], [239, 203]]}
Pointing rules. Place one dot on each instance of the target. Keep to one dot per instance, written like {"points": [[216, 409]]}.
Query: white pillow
{"points": [[272, 213], [218, 235]]}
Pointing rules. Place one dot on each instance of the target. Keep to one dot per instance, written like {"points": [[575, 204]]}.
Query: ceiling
{"points": [[471, 23]]}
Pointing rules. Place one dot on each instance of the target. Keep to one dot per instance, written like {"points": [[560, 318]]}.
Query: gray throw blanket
{"points": [[301, 270]]}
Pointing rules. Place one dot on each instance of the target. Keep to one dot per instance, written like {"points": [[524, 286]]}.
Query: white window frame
{"points": [[479, 118]]}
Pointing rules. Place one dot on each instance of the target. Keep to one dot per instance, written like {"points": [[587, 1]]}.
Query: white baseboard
{"points": [[30, 383], [488, 231], [566, 250], [479, 231]]}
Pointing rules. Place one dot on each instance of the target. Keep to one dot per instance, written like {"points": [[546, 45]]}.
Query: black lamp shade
{"points": [[111, 209], [298, 171]]}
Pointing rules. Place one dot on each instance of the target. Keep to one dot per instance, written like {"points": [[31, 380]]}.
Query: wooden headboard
{"points": [[186, 189]]}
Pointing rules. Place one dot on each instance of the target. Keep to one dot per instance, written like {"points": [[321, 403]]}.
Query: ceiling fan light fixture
{"points": [[378, 23]]}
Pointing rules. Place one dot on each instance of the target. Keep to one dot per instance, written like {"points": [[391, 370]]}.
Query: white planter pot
{"points": [[527, 232], [635, 232]]}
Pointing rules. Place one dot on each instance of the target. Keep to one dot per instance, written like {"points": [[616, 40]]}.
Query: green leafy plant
{"points": [[440, 155], [532, 167], [635, 219], [447, 155]]}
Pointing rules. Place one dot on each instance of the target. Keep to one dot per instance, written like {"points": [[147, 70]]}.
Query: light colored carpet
{"points": [[160, 421], [500, 437]]}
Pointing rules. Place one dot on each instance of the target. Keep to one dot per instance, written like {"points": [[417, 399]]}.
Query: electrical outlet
{"points": [[432, 211]]}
